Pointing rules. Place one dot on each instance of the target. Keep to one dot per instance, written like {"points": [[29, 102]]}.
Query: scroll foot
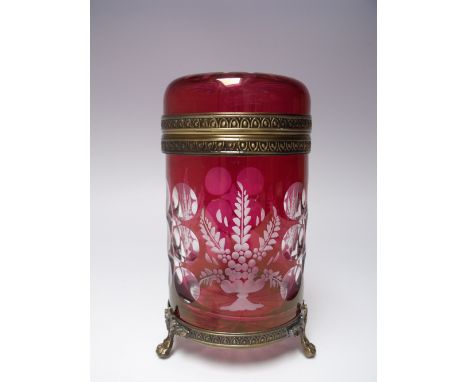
{"points": [[307, 346], [163, 350]]}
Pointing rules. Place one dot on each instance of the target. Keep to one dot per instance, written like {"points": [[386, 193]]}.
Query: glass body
{"points": [[236, 239], [236, 223], [236, 92]]}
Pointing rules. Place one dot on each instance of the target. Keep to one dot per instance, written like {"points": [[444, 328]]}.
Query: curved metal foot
{"points": [[307, 346], [163, 350]]}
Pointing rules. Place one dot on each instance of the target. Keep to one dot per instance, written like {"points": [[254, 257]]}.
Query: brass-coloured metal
{"points": [[236, 120], [176, 326], [236, 134]]}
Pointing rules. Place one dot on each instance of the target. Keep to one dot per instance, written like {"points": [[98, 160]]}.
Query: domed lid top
{"points": [[236, 92]]}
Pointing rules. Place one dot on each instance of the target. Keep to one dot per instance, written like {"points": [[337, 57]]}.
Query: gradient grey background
{"points": [[137, 48]]}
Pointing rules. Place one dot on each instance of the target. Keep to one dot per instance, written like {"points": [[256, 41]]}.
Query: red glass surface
{"points": [[237, 223], [205, 197], [236, 92]]}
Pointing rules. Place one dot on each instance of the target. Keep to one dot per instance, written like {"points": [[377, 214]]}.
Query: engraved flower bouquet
{"points": [[239, 272]]}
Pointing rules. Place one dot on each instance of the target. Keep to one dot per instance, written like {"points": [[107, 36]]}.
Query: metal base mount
{"points": [[176, 326]]}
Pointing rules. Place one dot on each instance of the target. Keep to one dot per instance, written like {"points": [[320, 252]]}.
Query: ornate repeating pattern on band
{"points": [[248, 146], [236, 133], [241, 240], [240, 340], [236, 121]]}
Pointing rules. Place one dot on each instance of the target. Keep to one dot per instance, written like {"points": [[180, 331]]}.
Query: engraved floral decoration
{"points": [[240, 259], [239, 272]]}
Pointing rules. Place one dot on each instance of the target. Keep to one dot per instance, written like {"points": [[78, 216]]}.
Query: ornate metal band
{"points": [[176, 326], [236, 339], [236, 133]]}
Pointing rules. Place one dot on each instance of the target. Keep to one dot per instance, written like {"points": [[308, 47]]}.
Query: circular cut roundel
{"points": [[184, 201], [295, 201], [186, 284]]}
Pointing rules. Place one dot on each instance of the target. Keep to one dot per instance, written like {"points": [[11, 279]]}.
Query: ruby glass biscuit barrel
{"points": [[236, 167]]}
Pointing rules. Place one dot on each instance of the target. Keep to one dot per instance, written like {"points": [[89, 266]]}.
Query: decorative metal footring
{"points": [[176, 326]]}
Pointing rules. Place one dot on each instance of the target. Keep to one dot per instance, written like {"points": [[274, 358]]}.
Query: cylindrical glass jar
{"points": [[236, 146]]}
